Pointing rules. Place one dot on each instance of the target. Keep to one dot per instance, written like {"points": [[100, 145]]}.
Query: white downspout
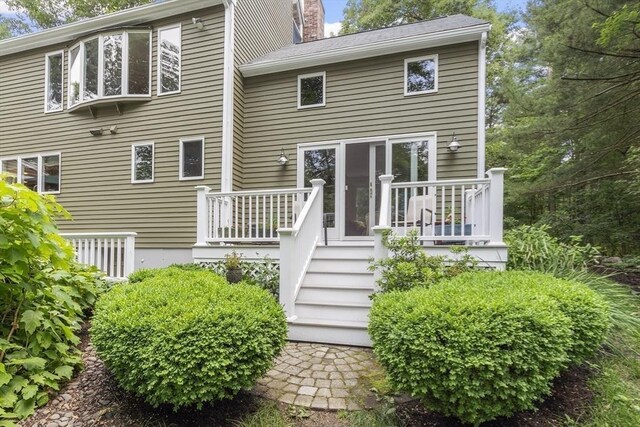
{"points": [[482, 78], [228, 97]]}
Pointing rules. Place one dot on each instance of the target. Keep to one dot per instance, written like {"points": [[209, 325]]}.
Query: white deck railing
{"points": [[448, 211], [112, 253], [297, 246], [247, 216]]}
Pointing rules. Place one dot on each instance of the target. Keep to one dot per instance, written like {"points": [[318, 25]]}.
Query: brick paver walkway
{"points": [[320, 377]]}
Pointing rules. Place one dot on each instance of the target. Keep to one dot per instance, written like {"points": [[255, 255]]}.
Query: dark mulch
{"points": [[571, 398], [629, 277]]}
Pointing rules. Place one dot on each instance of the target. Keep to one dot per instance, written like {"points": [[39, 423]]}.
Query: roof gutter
{"points": [[134, 16], [387, 47]]}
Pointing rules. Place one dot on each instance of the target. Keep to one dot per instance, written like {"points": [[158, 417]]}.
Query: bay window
{"points": [[110, 65]]}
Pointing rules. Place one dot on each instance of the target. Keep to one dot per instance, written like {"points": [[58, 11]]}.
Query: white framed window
{"points": [[191, 158], [110, 65], [142, 163], [312, 90], [53, 78], [421, 75], [169, 60], [38, 172]]}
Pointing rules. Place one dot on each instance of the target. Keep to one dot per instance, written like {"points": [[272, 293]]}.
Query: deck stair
{"points": [[333, 303]]}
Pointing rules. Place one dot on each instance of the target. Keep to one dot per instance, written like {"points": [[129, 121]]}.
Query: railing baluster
{"points": [[453, 210], [286, 211], [463, 202], [271, 216]]}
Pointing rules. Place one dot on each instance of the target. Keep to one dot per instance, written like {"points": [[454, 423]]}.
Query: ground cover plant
{"points": [[43, 293], [486, 344], [187, 337]]}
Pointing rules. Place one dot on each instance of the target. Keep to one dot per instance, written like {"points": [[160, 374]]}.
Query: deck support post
{"points": [[287, 282], [202, 215], [380, 251], [496, 205]]}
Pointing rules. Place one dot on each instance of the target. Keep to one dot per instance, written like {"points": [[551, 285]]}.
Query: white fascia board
{"points": [[387, 47], [75, 30]]}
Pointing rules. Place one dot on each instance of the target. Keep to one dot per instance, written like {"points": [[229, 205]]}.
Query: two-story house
{"points": [[201, 126]]}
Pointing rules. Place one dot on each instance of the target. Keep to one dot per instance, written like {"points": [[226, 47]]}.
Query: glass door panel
{"points": [[320, 163]]}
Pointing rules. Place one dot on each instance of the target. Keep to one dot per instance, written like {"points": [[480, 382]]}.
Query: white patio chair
{"points": [[420, 213]]}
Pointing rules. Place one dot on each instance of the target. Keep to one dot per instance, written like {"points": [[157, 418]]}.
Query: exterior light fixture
{"points": [[454, 145], [96, 132], [113, 129], [283, 159], [198, 23]]}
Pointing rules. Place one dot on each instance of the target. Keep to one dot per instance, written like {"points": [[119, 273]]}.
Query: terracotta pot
{"points": [[234, 275]]}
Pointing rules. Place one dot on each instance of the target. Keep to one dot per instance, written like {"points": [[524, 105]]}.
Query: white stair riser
{"points": [[338, 266], [312, 278], [329, 335], [329, 312], [343, 252], [332, 295]]}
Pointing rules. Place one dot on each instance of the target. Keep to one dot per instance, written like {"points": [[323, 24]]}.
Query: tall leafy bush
{"points": [[187, 337], [42, 297], [484, 345]]}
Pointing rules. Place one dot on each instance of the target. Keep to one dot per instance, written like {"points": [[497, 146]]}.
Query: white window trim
{"points": [[40, 169], [434, 58], [125, 67], [158, 86], [323, 74], [46, 82], [182, 141], [133, 163]]}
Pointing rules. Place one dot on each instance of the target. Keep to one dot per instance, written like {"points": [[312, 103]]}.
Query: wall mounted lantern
{"points": [[198, 23], [283, 159], [454, 145]]}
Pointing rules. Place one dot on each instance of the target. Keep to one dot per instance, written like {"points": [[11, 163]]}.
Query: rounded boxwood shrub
{"points": [[187, 337], [484, 345]]}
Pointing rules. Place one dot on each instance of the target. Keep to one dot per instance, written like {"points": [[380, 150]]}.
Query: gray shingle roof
{"points": [[370, 37]]}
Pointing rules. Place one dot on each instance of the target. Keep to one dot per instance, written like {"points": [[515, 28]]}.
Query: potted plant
{"points": [[232, 262]]}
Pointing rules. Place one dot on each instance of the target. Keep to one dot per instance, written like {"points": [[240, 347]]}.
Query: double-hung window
{"points": [[54, 70], [142, 163], [110, 65], [191, 158], [169, 60], [40, 172], [421, 75]]}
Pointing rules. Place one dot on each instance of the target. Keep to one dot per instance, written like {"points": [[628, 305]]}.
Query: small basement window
{"points": [[169, 60], [421, 75], [191, 158], [142, 163], [39, 173], [53, 82], [312, 90]]}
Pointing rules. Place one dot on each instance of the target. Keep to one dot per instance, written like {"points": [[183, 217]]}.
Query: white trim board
{"points": [[134, 16], [388, 47], [228, 94], [482, 79]]}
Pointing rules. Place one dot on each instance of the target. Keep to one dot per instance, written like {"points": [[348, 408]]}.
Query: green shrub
{"points": [[408, 266], [483, 345], [147, 273], [533, 248], [187, 337], [43, 293]]}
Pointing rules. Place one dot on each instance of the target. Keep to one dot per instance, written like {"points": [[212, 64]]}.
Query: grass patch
{"points": [[380, 417], [267, 415]]}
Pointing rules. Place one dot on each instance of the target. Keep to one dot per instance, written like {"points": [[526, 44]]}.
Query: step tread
{"points": [[329, 323], [333, 304], [339, 286]]}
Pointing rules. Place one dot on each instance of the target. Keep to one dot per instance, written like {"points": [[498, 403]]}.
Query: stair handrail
{"points": [[297, 246]]}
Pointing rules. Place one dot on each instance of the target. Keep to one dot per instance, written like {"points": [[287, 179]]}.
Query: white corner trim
{"points": [[128, 17], [482, 78], [387, 47], [301, 77], [228, 97], [407, 61]]}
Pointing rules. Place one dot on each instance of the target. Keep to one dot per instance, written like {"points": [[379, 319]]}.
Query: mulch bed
{"points": [[629, 277]]}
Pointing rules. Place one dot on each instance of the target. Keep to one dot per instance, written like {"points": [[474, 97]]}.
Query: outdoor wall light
{"points": [[96, 132], [283, 159], [113, 129], [198, 23], [454, 145]]}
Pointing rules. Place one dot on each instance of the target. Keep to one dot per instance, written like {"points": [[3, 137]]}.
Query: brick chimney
{"points": [[313, 20]]}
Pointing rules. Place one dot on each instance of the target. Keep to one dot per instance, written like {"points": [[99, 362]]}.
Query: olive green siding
{"points": [[96, 171], [364, 98], [261, 26]]}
